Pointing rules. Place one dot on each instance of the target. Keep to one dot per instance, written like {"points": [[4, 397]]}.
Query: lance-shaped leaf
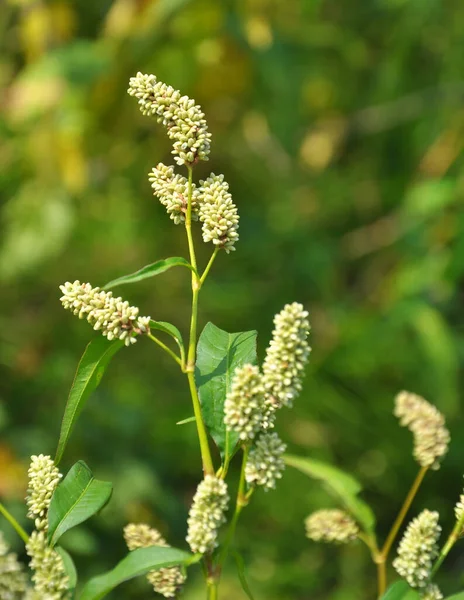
{"points": [[138, 562], [218, 355], [345, 487], [172, 331], [69, 568], [241, 574], [400, 590], [156, 268], [89, 373], [78, 497]]}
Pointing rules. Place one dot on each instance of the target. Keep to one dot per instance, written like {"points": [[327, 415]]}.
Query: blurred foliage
{"points": [[340, 128]]}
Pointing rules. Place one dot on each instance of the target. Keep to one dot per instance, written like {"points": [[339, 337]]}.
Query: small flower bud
{"points": [[432, 592], [114, 317], [218, 213], [49, 578], [184, 120], [13, 579], [43, 480], [172, 191], [244, 404], [166, 581], [331, 526], [431, 438], [207, 514], [459, 508], [418, 549], [265, 464], [286, 357]]}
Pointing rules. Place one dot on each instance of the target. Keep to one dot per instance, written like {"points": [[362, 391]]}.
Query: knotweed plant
{"points": [[235, 402]]}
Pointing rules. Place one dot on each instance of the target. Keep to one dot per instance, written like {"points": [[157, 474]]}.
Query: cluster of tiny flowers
{"points": [[431, 438], [243, 407], [218, 213], [114, 317], [184, 120], [166, 581], [332, 526], [286, 357], [431, 592], [50, 579], [13, 580], [207, 514], [43, 479], [418, 549], [172, 191], [459, 508], [265, 464]]}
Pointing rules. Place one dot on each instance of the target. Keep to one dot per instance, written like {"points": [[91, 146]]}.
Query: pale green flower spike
{"points": [[166, 581], [218, 213], [13, 579], [459, 508], [418, 549], [286, 358], [114, 317], [244, 404], [43, 479], [184, 120], [431, 438], [432, 592], [172, 191], [207, 514], [49, 578], [331, 526], [265, 464]]}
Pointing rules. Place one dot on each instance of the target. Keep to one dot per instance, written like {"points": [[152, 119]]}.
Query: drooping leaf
{"points": [[170, 330], [241, 574], [345, 487], [69, 568], [138, 562], [156, 268], [90, 370], [218, 355], [77, 498], [400, 590]]}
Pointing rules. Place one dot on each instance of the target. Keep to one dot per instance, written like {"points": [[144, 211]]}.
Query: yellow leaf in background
{"points": [[320, 145], [35, 31], [120, 19], [259, 32], [13, 474]]}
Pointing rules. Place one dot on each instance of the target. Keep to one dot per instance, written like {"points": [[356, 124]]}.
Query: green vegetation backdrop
{"points": [[339, 126]]}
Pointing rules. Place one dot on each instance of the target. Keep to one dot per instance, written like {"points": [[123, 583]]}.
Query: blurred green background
{"points": [[339, 125]]}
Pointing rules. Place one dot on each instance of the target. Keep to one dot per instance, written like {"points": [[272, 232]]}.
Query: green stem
{"points": [[209, 265], [212, 590], [208, 467], [178, 360], [452, 539], [403, 512], [14, 523]]}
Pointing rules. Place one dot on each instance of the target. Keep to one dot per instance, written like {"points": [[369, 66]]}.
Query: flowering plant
{"points": [[235, 403]]}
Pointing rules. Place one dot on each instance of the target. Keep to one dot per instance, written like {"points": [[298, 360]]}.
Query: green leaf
{"points": [[400, 590], [241, 574], [156, 268], [78, 497], [340, 484], [459, 596], [185, 421], [69, 568], [170, 330], [218, 355], [138, 562], [90, 370]]}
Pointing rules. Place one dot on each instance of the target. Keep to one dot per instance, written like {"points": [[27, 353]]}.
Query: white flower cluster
{"points": [[431, 437], [218, 213], [166, 581], [286, 357], [184, 120], [432, 592], [49, 578], [332, 526], [114, 317], [418, 549], [459, 508], [265, 464], [244, 404], [13, 579], [43, 479], [207, 514], [172, 191]]}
